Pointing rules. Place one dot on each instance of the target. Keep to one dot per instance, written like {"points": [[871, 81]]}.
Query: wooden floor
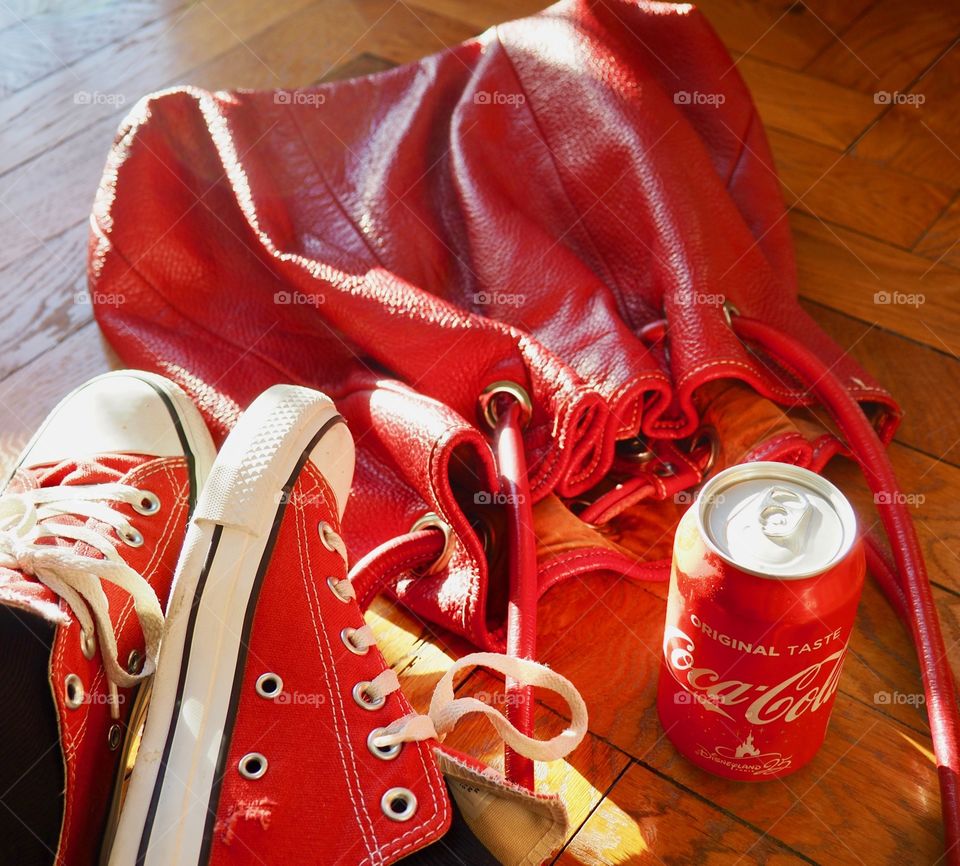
{"points": [[873, 188]]}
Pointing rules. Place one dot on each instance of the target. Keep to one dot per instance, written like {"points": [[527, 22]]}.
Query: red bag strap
{"points": [[914, 598], [522, 543]]}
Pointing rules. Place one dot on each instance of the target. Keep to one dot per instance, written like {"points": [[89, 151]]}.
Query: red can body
{"points": [[751, 664]]}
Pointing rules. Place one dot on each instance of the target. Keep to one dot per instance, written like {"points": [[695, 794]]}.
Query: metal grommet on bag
{"points": [[706, 435], [635, 450], [269, 686], [729, 311], [488, 402], [432, 520], [399, 804], [73, 691], [114, 737], [252, 765], [387, 753], [364, 699]]}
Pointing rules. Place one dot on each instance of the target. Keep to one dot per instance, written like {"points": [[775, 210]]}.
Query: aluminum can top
{"points": [[775, 520]]}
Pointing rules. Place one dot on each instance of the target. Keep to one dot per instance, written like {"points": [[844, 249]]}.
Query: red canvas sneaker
{"points": [[277, 733], [92, 518]]}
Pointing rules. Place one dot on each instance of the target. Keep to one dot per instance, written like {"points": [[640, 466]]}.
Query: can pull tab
{"points": [[782, 512]]}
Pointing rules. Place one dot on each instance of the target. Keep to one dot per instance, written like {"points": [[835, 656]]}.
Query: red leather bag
{"points": [[517, 266]]}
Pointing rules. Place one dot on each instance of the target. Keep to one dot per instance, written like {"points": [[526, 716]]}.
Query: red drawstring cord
{"points": [[380, 568], [914, 584], [523, 593]]}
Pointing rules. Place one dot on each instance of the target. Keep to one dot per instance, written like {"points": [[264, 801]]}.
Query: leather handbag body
{"points": [[542, 273]]}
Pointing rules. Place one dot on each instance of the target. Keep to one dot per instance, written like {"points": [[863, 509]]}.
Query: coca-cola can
{"points": [[767, 573]]}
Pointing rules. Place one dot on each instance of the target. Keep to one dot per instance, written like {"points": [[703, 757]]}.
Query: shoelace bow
{"points": [[28, 517], [446, 710]]}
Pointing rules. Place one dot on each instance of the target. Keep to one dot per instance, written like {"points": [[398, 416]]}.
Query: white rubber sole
{"points": [[168, 813]]}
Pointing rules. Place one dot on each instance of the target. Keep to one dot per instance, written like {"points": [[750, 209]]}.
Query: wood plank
{"points": [[788, 33], [330, 34], [478, 16], [61, 34], [805, 106], [856, 789], [941, 243], [843, 189], [885, 49], [925, 381], [116, 76], [646, 819], [875, 282], [28, 395], [921, 138]]}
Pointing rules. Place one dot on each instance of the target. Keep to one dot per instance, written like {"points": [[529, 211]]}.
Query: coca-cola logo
{"points": [[804, 691]]}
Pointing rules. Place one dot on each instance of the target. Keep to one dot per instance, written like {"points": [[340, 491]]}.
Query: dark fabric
{"points": [[31, 768]]}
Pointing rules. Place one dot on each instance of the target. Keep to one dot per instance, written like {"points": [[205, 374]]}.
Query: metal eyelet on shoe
{"points": [[88, 644], [252, 765], [149, 503], [130, 536], [399, 804], [364, 699], [73, 691], [332, 583], [269, 686], [387, 753], [347, 637], [134, 662], [323, 530], [114, 737]]}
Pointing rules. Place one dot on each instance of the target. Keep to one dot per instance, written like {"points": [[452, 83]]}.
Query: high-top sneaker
{"points": [[277, 733], [92, 519]]}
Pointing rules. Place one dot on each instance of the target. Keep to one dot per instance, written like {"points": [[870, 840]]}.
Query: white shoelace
{"points": [[25, 518], [446, 710]]}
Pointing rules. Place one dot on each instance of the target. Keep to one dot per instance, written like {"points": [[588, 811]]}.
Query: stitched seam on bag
{"points": [[332, 683]]}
